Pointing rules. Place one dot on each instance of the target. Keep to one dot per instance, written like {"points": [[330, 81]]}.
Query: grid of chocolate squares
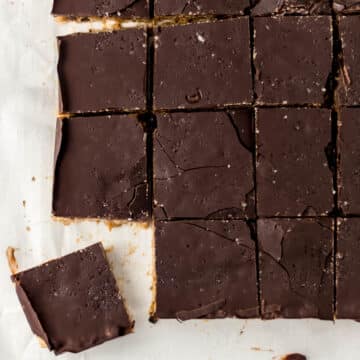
{"points": [[237, 134]]}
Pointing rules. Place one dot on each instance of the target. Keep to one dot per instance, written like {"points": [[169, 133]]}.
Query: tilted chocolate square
{"points": [[100, 168], [200, 7], [203, 165], [87, 8], [349, 161], [205, 269], [349, 89], [296, 268], [299, 72], [102, 71], [203, 65], [73, 303], [294, 172], [348, 269]]}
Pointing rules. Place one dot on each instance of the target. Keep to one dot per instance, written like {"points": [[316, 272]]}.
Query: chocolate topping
{"points": [[101, 169], [73, 303]]}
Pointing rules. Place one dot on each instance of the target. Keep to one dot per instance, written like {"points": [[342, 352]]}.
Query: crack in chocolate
{"points": [[201, 311], [123, 9], [238, 134]]}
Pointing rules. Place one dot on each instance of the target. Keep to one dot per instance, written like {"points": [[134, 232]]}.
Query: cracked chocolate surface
{"points": [[103, 71], [346, 6], [293, 174], [349, 83], [101, 168], [84, 8], [200, 7], [296, 268], [348, 269], [297, 74], [203, 165], [73, 303], [349, 161], [205, 269], [293, 7], [203, 65]]}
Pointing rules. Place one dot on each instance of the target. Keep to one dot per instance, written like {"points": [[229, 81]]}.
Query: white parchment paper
{"points": [[28, 107]]}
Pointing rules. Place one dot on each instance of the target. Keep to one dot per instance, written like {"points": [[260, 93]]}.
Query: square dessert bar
{"points": [[87, 8], [348, 269], [299, 72], [102, 71], [203, 165], [296, 268], [205, 269], [100, 168], [200, 7], [293, 174], [349, 161], [203, 65], [73, 303], [349, 90]]}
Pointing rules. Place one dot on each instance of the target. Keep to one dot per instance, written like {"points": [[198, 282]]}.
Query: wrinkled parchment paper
{"points": [[28, 106]]}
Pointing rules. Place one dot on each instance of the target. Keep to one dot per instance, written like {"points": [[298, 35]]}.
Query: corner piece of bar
{"points": [[101, 168], [73, 303], [296, 268], [205, 269], [124, 9]]}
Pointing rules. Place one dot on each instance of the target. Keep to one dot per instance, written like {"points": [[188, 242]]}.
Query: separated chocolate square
{"points": [[205, 269], [87, 8], [348, 269], [349, 87], [296, 268], [101, 168], [349, 161], [200, 7], [293, 59], [203, 165], [291, 7], [293, 173], [73, 303], [102, 71], [203, 65]]}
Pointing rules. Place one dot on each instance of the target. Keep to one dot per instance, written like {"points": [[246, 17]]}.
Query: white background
{"points": [[28, 105]]}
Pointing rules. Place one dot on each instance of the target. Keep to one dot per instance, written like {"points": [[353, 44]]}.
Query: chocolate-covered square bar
{"points": [[203, 165], [101, 168], [293, 59], [203, 65], [87, 8], [348, 269], [296, 268], [200, 7], [293, 174], [73, 303], [102, 71], [349, 89], [349, 161], [205, 269]]}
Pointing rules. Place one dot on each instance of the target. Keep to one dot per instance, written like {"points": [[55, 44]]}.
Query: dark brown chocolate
{"points": [[87, 8], [296, 268], [73, 303], [293, 174], [349, 84], [348, 269], [200, 7], [203, 165], [203, 65], [295, 356], [291, 7], [205, 269], [102, 71], [349, 161], [298, 74], [346, 6], [101, 168]]}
